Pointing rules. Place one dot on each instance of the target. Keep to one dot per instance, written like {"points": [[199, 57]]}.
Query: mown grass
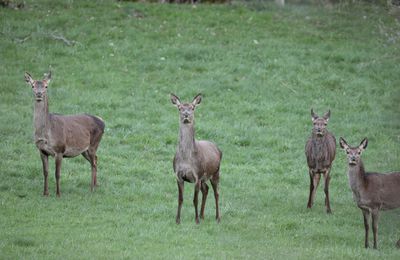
{"points": [[260, 69]]}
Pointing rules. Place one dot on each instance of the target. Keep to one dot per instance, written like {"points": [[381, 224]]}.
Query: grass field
{"points": [[260, 68]]}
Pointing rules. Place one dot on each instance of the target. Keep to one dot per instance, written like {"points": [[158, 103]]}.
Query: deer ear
{"points": [[364, 144], [175, 100], [47, 77], [327, 115], [197, 99], [313, 115], [343, 143], [28, 78]]}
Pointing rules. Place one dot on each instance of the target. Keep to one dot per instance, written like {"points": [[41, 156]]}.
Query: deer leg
{"points": [[314, 181], [326, 189], [58, 159], [309, 204], [204, 191], [366, 225], [95, 175], [92, 158], [45, 163], [214, 183], [180, 201], [196, 199], [375, 219]]}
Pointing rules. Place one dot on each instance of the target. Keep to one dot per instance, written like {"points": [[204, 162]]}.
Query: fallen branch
{"points": [[22, 40], [63, 39]]}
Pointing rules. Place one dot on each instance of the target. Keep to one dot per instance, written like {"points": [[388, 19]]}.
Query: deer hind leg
{"points": [[180, 201], [314, 181], [58, 159], [204, 191], [375, 219], [215, 184], [45, 163], [92, 158], [196, 200], [326, 190], [366, 215]]}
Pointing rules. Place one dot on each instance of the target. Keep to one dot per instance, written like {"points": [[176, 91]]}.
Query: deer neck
{"points": [[318, 138], [356, 176], [41, 120], [187, 145]]}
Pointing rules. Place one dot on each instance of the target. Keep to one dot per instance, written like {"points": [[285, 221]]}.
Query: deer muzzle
{"points": [[39, 97]]}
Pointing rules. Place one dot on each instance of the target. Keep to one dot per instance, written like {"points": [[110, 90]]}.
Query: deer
{"points": [[195, 161], [372, 191], [63, 136], [320, 152]]}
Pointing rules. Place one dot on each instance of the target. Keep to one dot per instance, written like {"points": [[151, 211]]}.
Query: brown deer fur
{"points": [[63, 136], [371, 191], [195, 161], [320, 152]]}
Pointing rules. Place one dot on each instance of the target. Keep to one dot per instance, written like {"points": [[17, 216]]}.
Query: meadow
{"points": [[260, 69]]}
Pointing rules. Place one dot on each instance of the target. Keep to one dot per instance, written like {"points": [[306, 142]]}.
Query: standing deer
{"points": [[195, 161], [320, 152], [371, 191], [63, 136]]}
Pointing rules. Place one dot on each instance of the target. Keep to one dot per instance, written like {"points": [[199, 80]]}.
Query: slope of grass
{"points": [[260, 69]]}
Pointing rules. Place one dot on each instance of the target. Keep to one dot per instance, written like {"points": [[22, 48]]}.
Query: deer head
{"points": [[320, 123], [39, 87], [186, 110], [353, 153]]}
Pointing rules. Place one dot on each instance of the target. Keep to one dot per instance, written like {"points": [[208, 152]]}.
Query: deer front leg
{"points": [[45, 164], [375, 219], [196, 200], [366, 225], [326, 189], [58, 159], [180, 200], [314, 181], [204, 191]]}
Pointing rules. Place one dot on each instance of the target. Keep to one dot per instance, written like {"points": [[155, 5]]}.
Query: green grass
{"points": [[260, 69]]}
